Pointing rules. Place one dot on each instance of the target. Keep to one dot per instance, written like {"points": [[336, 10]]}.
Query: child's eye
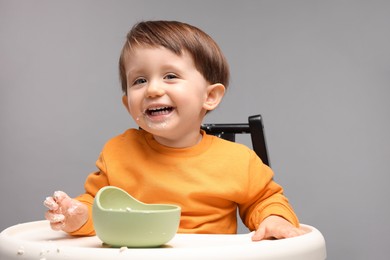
{"points": [[170, 76], [139, 81]]}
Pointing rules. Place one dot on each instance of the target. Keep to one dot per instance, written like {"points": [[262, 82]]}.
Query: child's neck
{"points": [[187, 141]]}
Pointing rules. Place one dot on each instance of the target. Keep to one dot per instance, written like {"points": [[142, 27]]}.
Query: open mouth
{"points": [[158, 111]]}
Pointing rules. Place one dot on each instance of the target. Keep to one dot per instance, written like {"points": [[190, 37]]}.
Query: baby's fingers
{"points": [[54, 217], [60, 196], [59, 200], [294, 232], [57, 226], [50, 203], [56, 220]]}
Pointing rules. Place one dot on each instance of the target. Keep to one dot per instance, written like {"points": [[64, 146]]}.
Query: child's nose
{"points": [[154, 89]]}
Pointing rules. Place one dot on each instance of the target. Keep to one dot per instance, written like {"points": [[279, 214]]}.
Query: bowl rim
{"points": [[170, 207]]}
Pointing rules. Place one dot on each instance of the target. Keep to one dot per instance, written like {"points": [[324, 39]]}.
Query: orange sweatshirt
{"points": [[208, 181]]}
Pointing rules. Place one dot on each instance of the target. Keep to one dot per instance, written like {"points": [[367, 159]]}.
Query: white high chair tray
{"points": [[36, 240]]}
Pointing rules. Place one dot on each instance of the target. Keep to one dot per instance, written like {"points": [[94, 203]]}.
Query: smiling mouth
{"points": [[158, 111]]}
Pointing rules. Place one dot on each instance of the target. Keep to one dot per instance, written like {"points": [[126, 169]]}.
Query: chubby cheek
{"points": [[134, 109], [131, 104]]}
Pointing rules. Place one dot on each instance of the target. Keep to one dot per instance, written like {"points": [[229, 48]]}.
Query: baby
{"points": [[172, 75]]}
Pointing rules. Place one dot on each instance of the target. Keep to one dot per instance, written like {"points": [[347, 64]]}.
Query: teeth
{"points": [[159, 110]]}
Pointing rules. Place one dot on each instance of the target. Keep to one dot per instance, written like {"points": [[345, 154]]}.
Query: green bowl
{"points": [[121, 220]]}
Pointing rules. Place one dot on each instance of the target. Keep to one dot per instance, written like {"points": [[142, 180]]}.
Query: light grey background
{"points": [[318, 72]]}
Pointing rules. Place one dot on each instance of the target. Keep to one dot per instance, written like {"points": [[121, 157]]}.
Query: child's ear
{"points": [[125, 102], [215, 94]]}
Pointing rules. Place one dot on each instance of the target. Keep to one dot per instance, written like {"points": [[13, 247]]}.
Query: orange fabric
{"points": [[207, 181]]}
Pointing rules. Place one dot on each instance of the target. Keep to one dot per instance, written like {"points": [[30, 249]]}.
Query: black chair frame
{"points": [[254, 127]]}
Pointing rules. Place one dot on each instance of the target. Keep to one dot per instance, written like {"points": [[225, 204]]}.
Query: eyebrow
{"points": [[164, 67]]}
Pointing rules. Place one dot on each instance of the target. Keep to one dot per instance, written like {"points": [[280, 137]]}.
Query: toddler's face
{"points": [[165, 94]]}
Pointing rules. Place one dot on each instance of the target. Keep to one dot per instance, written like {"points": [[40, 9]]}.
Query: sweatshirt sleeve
{"points": [[264, 197], [95, 181]]}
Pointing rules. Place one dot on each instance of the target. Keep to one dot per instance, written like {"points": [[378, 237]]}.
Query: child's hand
{"points": [[65, 213], [276, 227]]}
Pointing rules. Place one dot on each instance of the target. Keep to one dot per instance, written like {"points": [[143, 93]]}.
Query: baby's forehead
{"points": [[140, 50], [142, 57]]}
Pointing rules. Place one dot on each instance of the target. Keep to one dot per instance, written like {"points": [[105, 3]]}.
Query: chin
{"points": [[156, 128]]}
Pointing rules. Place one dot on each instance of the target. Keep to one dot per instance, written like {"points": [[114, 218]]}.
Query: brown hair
{"points": [[178, 37]]}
